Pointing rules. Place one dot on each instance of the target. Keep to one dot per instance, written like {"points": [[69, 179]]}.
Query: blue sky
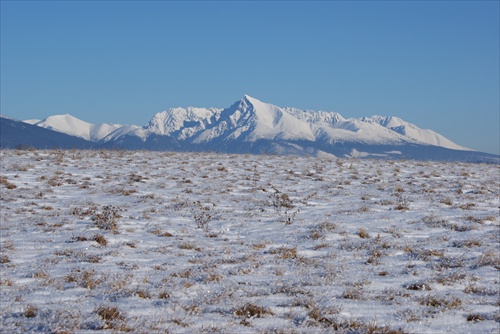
{"points": [[434, 64]]}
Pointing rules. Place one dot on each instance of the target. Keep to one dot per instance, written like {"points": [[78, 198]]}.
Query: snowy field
{"points": [[148, 242]]}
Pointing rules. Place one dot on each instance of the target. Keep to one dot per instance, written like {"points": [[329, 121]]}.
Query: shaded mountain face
{"points": [[252, 126]]}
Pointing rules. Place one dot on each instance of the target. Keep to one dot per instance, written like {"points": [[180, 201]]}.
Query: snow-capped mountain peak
{"points": [[71, 125], [387, 122]]}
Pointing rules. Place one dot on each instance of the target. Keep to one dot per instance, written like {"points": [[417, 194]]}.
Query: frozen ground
{"points": [[150, 242]]}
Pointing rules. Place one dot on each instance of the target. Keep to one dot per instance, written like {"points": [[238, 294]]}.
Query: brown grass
{"points": [[362, 233], [30, 311], [285, 253], [251, 311], [100, 239]]}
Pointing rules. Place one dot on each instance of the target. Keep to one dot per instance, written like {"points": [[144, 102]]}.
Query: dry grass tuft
{"points": [[113, 318], [6, 183], [100, 239], [441, 302], [418, 286], [284, 252], [30, 311], [352, 293], [4, 259], [252, 311], [109, 313], [362, 233], [475, 317], [318, 316]]}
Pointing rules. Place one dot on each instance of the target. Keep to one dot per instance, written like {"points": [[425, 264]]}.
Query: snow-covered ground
{"points": [[151, 242]]}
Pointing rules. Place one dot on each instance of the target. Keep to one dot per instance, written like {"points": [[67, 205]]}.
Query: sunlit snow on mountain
{"points": [[252, 126]]}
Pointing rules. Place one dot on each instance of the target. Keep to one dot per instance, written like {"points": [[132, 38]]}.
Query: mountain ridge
{"points": [[252, 126], [259, 120]]}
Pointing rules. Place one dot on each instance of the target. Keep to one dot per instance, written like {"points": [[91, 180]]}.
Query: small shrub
{"points": [[352, 293], [280, 200], [161, 233], [6, 282], [318, 316], [467, 206], [475, 317], [362, 233], [446, 201], [100, 239], [285, 253], [428, 253], [251, 311], [474, 289], [322, 245], [451, 278], [4, 259], [462, 228], [163, 295], [398, 189], [418, 286], [108, 218], [412, 315], [135, 178], [40, 273], [202, 217], [30, 311], [109, 313], [143, 294], [402, 204], [467, 243], [184, 274], [374, 257], [451, 262], [213, 277], [490, 258], [327, 226], [111, 316], [401, 207], [435, 301], [86, 279], [364, 209], [7, 184], [187, 285], [188, 246], [179, 322]]}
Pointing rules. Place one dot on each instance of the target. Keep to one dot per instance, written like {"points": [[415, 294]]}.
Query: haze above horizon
{"points": [[433, 64]]}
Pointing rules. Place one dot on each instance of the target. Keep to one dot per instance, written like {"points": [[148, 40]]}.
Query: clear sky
{"points": [[431, 63]]}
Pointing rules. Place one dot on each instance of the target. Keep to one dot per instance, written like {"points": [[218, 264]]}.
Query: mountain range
{"points": [[247, 126]]}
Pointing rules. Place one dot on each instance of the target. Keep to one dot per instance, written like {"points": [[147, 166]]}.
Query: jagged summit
{"points": [[251, 100], [247, 97], [181, 121]]}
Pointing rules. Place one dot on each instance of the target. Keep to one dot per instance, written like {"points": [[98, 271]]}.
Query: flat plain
{"points": [[153, 242]]}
